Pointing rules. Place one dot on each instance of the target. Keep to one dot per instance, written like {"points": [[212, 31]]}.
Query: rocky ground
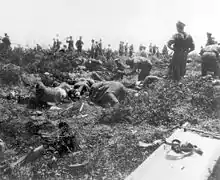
{"points": [[108, 138]]}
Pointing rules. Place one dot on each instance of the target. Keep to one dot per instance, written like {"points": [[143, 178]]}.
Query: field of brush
{"points": [[109, 138]]}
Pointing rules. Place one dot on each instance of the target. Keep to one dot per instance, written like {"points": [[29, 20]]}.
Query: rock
{"points": [[37, 113], [48, 74], [37, 118], [54, 108]]}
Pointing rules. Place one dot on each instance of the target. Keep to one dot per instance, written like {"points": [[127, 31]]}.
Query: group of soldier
{"points": [[125, 49], [182, 44], [96, 47]]}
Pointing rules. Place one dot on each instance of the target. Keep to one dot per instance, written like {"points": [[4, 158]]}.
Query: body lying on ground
{"points": [[49, 94], [140, 63], [107, 93], [93, 64], [80, 87], [210, 59]]}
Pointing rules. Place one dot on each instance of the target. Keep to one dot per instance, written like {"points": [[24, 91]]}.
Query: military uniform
{"points": [[131, 49], [210, 40], [121, 49], [126, 49], [144, 64], [210, 59], [182, 45], [107, 93], [58, 45], [93, 48], [108, 53], [165, 51], [100, 47], [80, 87], [79, 44], [96, 49], [70, 45], [6, 42]]}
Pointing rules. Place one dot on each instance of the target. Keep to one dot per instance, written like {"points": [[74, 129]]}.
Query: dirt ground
{"points": [[108, 138]]}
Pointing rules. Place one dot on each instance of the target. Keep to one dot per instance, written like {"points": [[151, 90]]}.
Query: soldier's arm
{"points": [[171, 42], [192, 47]]}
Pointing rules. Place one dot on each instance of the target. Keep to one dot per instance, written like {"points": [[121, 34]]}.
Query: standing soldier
{"points": [[154, 49], [126, 49], [54, 44], [121, 48], [100, 47], [38, 47], [58, 43], [93, 49], [165, 51], [131, 50], [150, 48], [79, 45], [96, 49], [7, 42], [210, 39], [182, 44], [70, 43], [108, 52], [157, 52]]}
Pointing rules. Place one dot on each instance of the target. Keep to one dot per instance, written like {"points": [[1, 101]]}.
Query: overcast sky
{"points": [[132, 21]]}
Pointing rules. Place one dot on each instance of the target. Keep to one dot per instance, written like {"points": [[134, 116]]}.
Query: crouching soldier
{"points": [[107, 93], [210, 59], [142, 64]]}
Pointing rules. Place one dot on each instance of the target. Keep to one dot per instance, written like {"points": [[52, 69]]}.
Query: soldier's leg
{"points": [[176, 72], [203, 69]]}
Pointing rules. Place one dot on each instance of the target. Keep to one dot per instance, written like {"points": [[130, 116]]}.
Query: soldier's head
{"points": [[93, 40], [71, 37], [209, 34], [109, 45], [80, 37], [180, 26]]}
